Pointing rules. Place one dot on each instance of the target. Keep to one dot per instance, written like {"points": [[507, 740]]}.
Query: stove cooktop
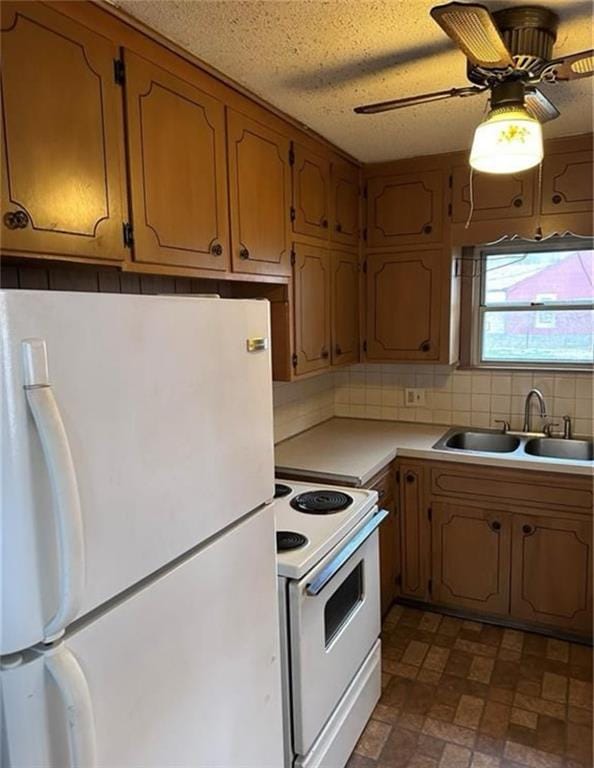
{"points": [[321, 531]]}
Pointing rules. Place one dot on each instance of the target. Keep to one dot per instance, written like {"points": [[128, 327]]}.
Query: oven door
{"points": [[334, 616]]}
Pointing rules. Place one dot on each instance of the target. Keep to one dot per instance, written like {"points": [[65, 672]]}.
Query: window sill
{"points": [[534, 368]]}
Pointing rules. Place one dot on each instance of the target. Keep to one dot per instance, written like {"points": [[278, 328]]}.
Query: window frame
{"points": [[474, 301]]}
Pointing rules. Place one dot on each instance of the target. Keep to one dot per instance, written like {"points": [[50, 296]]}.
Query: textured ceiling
{"points": [[316, 60]]}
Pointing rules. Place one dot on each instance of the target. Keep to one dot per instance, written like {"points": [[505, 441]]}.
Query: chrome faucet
{"points": [[527, 415]]}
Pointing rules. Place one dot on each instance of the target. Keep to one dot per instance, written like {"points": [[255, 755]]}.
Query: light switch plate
{"points": [[414, 397]]}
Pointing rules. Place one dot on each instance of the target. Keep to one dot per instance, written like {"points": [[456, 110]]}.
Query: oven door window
{"points": [[342, 603]]}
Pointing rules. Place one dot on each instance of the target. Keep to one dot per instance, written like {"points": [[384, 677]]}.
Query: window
{"points": [[535, 305]]}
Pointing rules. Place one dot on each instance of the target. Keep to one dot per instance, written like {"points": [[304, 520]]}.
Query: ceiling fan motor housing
{"points": [[529, 33]]}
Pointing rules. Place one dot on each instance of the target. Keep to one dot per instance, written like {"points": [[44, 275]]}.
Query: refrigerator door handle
{"points": [[62, 474], [70, 680]]}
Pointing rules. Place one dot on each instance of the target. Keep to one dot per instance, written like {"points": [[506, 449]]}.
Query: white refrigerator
{"points": [[138, 579]]}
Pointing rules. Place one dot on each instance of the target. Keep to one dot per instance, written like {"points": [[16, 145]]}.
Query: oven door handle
{"points": [[330, 570]]}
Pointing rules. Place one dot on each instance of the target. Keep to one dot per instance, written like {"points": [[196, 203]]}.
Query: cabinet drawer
{"points": [[383, 483], [512, 486]]}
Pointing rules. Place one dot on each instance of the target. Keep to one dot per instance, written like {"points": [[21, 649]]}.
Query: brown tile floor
{"points": [[460, 694]]}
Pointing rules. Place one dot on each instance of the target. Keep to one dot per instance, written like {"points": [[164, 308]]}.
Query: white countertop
{"points": [[352, 451]]}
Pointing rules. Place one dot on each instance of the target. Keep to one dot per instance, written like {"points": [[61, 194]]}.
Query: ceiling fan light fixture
{"points": [[508, 141]]}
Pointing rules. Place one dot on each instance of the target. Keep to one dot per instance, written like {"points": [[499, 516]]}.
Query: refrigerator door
{"points": [[133, 428], [184, 672]]}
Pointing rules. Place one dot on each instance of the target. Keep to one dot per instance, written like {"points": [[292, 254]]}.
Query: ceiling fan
{"points": [[508, 52]]}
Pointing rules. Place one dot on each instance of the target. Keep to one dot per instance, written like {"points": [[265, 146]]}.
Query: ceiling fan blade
{"points": [[411, 101], [570, 67], [474, 31], [539, 105]]}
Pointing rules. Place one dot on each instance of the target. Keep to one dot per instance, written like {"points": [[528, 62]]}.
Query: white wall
{"points": [[464, 398]]}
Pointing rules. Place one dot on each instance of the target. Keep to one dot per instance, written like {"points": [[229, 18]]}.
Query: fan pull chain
{"points": [[471, 188], [538, 232]]}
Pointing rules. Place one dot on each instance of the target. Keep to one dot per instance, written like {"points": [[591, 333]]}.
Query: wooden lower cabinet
{"points": [[414, 531], [471, 557], [389, 536], [552, 571]]}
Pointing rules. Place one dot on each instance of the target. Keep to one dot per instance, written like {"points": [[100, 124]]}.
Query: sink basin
{"points": [[557, 448], [487, 442]]}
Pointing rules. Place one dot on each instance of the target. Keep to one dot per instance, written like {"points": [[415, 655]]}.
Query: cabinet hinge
{"points": [[365, 192], [397, 475], [449, 209], [293, 258], [364, 267], [365, 234], [119, 72], [294, 361], [128, 234], [364, 346], [430, 586], [450, 181], [430, 514], [291, 154], [293, 213], [398, 580]]}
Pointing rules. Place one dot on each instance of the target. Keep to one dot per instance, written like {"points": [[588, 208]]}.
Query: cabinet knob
{"points": [[556, 199], [16, 220], [528, 529], [325, 223], [518, 202], [410, 478], [244, 253], [338, 349], [216, 249], [495, 525], [338, 227], [427, 229], [425, 346], [381, 493], [324, 353]]}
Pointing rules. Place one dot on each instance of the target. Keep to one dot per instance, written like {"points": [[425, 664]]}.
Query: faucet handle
{"points": [[549, 427], [506, 427], [567, 427]]}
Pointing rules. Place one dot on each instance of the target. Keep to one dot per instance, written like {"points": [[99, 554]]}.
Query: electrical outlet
{"points": [[414, 397]]}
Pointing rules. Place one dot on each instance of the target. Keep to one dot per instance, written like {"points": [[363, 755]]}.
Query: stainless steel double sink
{"points": [[489, 441]]}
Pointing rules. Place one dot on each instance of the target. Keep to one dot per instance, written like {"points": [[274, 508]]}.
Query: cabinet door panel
{"points": [[404, 305], [414, 533], [405, 209], [260, 194], [494, 197], [312, 308], [311, 193], [176, 139], [62, 137], [471, 557], [345, 307], [567, 182], [344, 203], [552, 572]]}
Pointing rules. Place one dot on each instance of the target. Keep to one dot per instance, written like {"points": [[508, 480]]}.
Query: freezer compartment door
{"points": [[151, 427], [185, 672]]}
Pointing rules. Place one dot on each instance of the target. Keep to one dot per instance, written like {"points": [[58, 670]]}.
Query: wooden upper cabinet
{"points": [[471, 557], [311, 193], [345, 307], [567, 182], [404, 305], [495, 197], [414, 532], [312, 308], [405, 209], [63, 170], [552, 571], [176, 143], [260, 197], [344, 203]]}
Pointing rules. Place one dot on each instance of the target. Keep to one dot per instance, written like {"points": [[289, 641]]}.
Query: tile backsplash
{"points": [[452, 397]]}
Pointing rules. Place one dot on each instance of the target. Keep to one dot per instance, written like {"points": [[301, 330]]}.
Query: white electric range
{"points": [[329, 600]]}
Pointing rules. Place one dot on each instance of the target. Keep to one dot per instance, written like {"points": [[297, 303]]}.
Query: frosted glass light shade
{"points": [[508, 141]]}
